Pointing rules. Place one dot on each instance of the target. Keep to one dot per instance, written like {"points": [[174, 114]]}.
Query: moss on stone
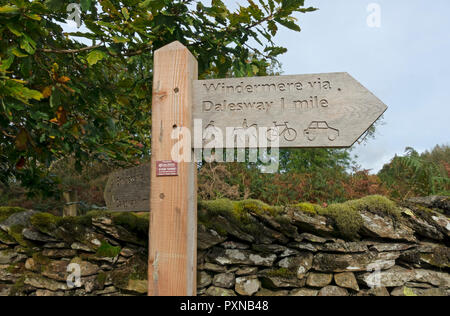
{"points": [[307, 208], [216, 207], [40, 260], [101, 279], [377, 204], [347, 219], [15, 232], [132, 223], [45, 222], [6, 238], [280, 273], [108, 251], [7, 211], [18, 287], [242, 208]]}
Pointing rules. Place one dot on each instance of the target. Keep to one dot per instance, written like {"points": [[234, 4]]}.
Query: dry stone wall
{"points": [[369, 247]]}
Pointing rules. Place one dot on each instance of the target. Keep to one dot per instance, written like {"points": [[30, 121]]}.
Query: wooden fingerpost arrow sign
{"points": [[319, 110], [173, 186]]}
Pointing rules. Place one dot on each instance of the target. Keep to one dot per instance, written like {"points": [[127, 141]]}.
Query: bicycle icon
{"points": [[281, 130]]}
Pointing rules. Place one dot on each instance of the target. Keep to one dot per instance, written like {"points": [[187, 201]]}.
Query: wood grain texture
{"points": [[317, 110], [173, 219]]}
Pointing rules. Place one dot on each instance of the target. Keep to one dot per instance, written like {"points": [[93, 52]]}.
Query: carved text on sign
{"points": [[319, 110]]}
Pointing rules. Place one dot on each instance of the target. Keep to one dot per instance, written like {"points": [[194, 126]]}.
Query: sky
{"points": [[405, 62]]}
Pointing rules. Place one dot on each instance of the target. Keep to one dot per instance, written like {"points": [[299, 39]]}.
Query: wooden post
{"points": [[70, 209], [173, 199]]}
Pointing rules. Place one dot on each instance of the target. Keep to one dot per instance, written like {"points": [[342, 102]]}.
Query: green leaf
{"points": [[120, 39], [18, 53], [125, 13], [85, 5], [6, 63], [9, 9], [289, 24], [95, 56], [12, 28], [28, 45], [33, 17]]}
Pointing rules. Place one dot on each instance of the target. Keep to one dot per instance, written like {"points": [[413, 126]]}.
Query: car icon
{"points": [[318, 128]]}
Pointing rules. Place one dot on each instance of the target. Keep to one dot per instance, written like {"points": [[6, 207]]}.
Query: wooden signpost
{"points": [[323, 110]]}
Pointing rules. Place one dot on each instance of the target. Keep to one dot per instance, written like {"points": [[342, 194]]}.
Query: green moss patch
{"points": [[280, 273], [377, 204], [133, 223], [108, 251], [307, 208], [7, 211], [45, 222], [347, 219]]}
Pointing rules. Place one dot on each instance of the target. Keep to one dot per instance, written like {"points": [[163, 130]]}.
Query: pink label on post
{"points": [[166, 168]]}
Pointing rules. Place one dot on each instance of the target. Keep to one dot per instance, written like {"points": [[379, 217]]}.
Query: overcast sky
{"points": [[405, 63]]}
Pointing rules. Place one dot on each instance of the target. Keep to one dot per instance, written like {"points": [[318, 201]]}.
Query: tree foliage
{"points": [[418, 174], [62, 97]]}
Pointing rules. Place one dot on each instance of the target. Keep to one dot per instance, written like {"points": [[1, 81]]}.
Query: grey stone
{"points": [[49, 293], [396, 276], [34, 235], [207, 238], [82, 247], [384, 247], [301, 264], [224, 280], [440, 202], [421, 226], [44, 283], [304, 292], [305, 246], [276, 279], [268, 293], [377, 291], [435, 278], [327, 262], [217, 291], [344, 247], [246, 271], [314, 224], [214, 267], [346, 280], [247, 285], [234, 256], [17, 219], [234, 245], [203, 280], [273, 248], [8, 276], [406, 291], [7, 256], [59, 253], [233, 229], [311, 238], [319, 279], [383, 227], [105, 224], [333, 291]]}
